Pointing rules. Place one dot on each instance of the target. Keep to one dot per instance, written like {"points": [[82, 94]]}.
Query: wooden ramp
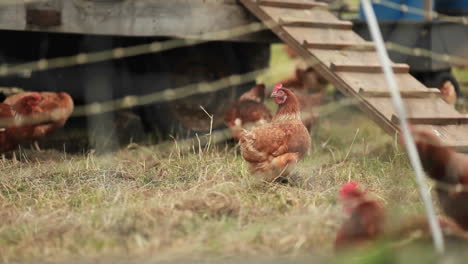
{"points": [[352, 65]]}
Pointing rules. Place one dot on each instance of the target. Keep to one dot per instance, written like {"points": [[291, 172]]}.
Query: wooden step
{"points": [[376, 81], [433, 120], [364, 46], [397, 68], [431, 92], [296, 4], [310, 23]]}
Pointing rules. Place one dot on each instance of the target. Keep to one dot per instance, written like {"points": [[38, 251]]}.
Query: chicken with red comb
{"points": [[247, 112], [366, 218], [273, 149]]}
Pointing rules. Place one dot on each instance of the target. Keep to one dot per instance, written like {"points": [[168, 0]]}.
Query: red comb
{"points": [[277, 87], [348, 187]]}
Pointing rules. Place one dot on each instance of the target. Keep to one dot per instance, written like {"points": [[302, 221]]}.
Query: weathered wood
{"points": [[359, 72], [364, 46], [318, 14], [296, 4], [417, 108], [430, 93], [376, 81], [312, 23], [350, 58], [175, 18], [433, 120], [320, 35], [376, 68]]}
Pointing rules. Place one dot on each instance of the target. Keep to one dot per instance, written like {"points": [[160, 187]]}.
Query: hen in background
{"points": [[35, 115], [247, 112], [448, 168]]}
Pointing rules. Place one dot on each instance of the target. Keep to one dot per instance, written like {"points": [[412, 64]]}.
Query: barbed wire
{"points": [[420, 52], [119, 52], [176, 93]]}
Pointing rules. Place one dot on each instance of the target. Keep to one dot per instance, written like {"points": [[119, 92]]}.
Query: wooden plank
{"points": [[433, 120], [363, 46], [417, 108], [312, 23], [363, 75], [150, 18], [430, 93], [320, 35], [317, 14], [296, 4], [346, 57], [376, 68], [376, 81]]}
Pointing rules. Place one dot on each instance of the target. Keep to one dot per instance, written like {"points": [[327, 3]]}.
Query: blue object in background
{"points": [[385, 13], [382, 12]]}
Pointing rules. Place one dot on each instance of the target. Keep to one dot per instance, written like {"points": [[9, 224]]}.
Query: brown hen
{"points": [[248, 112], [366, 218], [274, 148], [448, 168], [35, 115]]}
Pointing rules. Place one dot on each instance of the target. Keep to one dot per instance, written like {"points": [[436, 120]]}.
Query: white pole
{"points": [[400, 109]]}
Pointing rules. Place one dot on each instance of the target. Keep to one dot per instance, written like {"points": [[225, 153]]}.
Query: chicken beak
{"points": [[274, 94]]}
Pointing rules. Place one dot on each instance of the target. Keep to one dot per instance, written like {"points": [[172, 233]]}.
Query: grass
{"points": [[142, 204]]}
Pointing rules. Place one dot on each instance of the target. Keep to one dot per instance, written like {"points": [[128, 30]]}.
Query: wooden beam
{"points": [[292, 22], [431, 92], [296, 4], [397, 68], [364, 46], [456, 120]]}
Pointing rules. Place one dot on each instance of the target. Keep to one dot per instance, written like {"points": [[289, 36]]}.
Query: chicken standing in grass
{"points": [[366, 218], [44, 113], [274, 148], [447, 167], [248, 112]]}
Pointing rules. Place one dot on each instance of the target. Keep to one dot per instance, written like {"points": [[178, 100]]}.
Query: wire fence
{"points": [[206, 139]]}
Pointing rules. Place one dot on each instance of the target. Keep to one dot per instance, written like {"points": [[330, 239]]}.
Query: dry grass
{"points": [[142, 203]]}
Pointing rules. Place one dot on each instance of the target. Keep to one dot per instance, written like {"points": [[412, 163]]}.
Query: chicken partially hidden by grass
{"points": [[366, 218], [273, 149], [30, 116], [248, 112], [368, 223], [449, 169]]}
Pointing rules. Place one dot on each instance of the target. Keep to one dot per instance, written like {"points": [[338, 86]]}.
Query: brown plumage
{"points": [[366, 218], [368, 223], [248, 112], [273, 148], [448, 167], [309, 103], [54, 108], [306, 79]]}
